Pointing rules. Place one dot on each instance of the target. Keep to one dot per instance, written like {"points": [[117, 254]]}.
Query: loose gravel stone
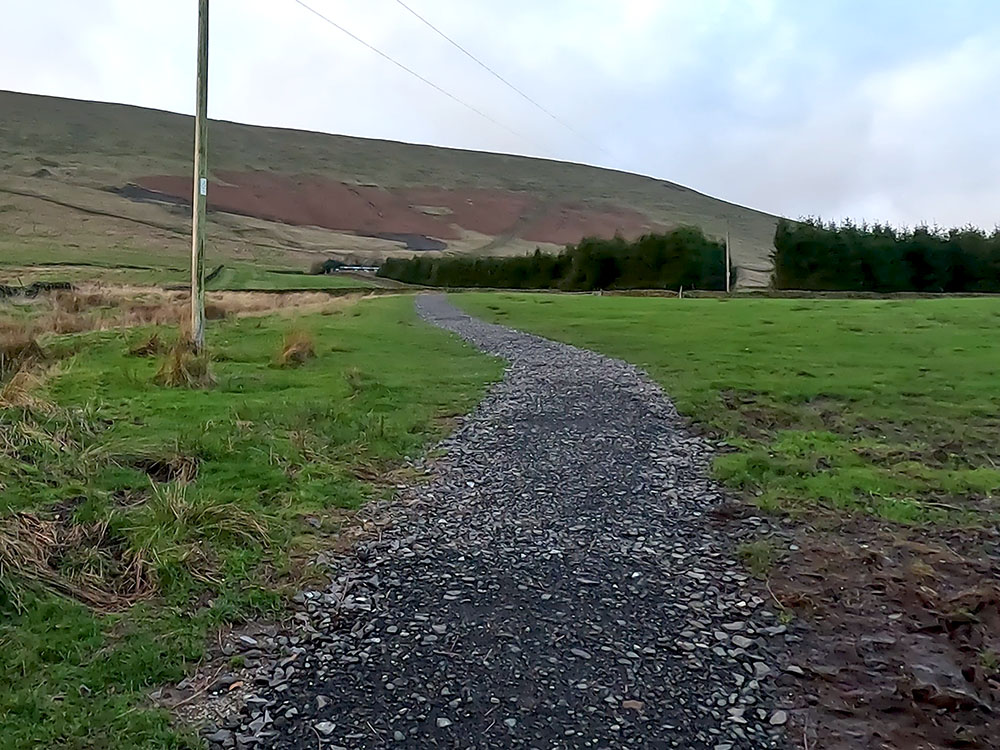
{"points": [[222, 736], [553, 581]]}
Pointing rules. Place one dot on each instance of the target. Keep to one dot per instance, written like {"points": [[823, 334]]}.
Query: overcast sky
{"points": [[878, 109]]}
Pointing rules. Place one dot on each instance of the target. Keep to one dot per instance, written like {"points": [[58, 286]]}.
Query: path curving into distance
{"points": [[555, 583]]}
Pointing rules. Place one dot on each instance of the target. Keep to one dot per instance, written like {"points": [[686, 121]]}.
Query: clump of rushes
{"points": [[296, 349], [184, 368]]}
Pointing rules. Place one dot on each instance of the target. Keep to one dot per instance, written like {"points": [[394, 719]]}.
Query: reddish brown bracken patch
{"points": [[568, 223], [489, 212], [317, 201]]}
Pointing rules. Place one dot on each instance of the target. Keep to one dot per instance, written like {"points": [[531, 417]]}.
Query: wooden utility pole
{"points": [[728, 260], [200, 186]]}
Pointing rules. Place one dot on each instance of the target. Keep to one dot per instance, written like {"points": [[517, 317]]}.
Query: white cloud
{"points": [[790, 107], [911, 143]]}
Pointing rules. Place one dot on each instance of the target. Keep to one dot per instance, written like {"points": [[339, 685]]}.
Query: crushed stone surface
{"points": [[554, 582]]}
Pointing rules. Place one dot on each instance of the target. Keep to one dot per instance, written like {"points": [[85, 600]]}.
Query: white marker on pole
{"points": [[200, 185], [728, 260]]}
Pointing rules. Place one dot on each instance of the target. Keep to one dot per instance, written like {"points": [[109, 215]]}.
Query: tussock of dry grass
{"points": [[189, 517], [21, 392], [139, 313], [11, 329], [182, 368], [215, 311], [18, 350], [83, 561], [62, 321], [74, 302], [249, 304], [297, 349], [22, 370], [151, 346]]}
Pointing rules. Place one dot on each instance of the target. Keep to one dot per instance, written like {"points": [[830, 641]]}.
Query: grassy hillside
{"points": [[59, 157]]}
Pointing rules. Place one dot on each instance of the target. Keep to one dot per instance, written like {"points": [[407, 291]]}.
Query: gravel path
{"points": [[555, 583]]}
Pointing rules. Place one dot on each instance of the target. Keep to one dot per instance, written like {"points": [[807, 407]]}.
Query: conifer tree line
{"points": [[683, 257], [810, 254], [818, 256]]}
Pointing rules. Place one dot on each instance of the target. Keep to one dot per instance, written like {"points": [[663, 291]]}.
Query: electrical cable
{"points": [[500, 78], [412, 72]]}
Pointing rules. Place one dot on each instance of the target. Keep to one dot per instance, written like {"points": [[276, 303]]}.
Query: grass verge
{"points": [[135, 519]]}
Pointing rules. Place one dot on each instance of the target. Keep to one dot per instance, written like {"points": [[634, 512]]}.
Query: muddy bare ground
{"points": [[901, 635]]}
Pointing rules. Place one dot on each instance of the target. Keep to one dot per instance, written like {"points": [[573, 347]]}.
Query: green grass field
{"points": [[210, 498], [25, 262], [21, 263], [251, 278], [885, 406]]}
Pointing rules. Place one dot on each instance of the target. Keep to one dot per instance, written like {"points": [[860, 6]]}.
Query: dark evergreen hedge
{"points": [[683, 257], [847, 257]]}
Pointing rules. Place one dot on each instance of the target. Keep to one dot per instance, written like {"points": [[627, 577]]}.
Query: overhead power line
{"points": [[409, 70], [500, 78]]}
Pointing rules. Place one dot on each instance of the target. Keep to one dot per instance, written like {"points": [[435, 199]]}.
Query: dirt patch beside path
{"points": [[901, 646]]}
